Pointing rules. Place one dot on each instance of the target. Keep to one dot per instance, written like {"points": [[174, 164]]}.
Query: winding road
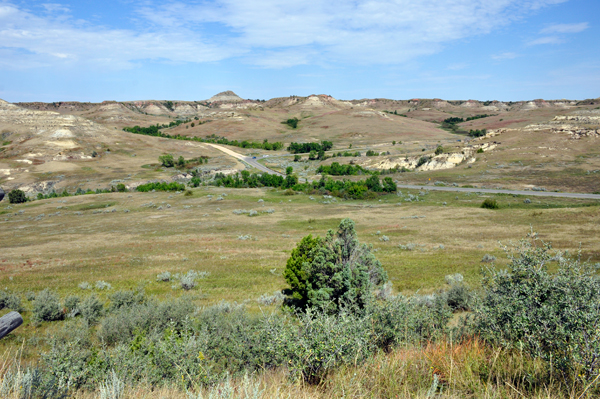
{"points": [[249, 160], [254, 163]]}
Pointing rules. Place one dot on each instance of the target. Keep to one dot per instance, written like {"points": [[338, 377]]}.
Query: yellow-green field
{"points": [[125, 240]]}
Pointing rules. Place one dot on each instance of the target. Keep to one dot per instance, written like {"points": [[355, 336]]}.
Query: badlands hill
{"points": [[45, 150], [225, 97], [539, 143]]}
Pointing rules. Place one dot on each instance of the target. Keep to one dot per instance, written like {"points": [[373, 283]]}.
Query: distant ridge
{"points": [[225, 96]]}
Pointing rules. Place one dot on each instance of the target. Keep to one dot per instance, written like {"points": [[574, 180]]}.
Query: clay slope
{"points": [[44, 135], [225, 97]]}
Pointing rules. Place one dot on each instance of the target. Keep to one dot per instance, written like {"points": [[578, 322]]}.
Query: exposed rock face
{"points": [[43, 187], [437, 162], [576, 126], [225, 97], [187, 109], [44, 135]]}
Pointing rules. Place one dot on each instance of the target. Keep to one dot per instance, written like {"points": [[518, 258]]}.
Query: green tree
{"points": [[439, 150], [297, 158], [388, 185], [333, 272], [312, 155], [181, 161], [289, 170], [373, 183], [295, 272], [167, 160], [17, 196]]}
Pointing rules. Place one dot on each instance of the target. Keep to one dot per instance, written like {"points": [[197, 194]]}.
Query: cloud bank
{"points": [[265, 33]]}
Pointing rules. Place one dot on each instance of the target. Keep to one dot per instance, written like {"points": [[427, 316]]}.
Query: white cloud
{"points": [[53, 7], [267, 33], [505, 56], [29, 37], [565, 28], [546, 40]]}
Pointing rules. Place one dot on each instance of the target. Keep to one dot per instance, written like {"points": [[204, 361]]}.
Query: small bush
{"points": [[489, 203], [113, 386], [188, 281], [167, 160], [527, 201], [423, 160], [91, 309], [164, 276], [122, 325], [46, 307], [72, 305], [459, 296], [292, 122], [103, 285], [126, 299], [10, 301], [554, 317], [84, 285], [269, 300], [327, 341], [487, 258], [17, 196], [408, 247]]}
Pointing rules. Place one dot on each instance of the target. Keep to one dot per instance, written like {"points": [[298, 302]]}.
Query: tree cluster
{"points": [[300, 148], [368, 188], [477, 132], [335, 169], [154, 130]]}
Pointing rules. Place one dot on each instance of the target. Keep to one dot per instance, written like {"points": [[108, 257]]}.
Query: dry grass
{"points": [[468, 369], [128, 250]]}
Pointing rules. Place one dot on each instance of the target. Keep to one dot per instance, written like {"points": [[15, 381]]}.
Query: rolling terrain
{"points": [[530, 144], [126, 253]]}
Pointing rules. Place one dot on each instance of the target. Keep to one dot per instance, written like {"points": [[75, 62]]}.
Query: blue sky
{"points": [[90, 50]]}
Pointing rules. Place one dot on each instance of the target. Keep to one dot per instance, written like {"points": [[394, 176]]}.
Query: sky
{"points": [[123, 50]]}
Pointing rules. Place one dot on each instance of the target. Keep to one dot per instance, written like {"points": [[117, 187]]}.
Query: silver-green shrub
{"points": [[112, 387], [487, 258], [125, 299], [458, 296], [103, 285], [91, 309], [551, 316], [164, 276], [46, 307], [72, 305], [10, 301]]}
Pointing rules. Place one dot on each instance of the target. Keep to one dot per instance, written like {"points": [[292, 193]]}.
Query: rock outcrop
{"points": [[432, 162], [225, 97], [577, 126]]}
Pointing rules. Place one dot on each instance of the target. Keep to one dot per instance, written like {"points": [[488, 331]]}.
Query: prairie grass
{"points": [[467, 369], [129, 250]]}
